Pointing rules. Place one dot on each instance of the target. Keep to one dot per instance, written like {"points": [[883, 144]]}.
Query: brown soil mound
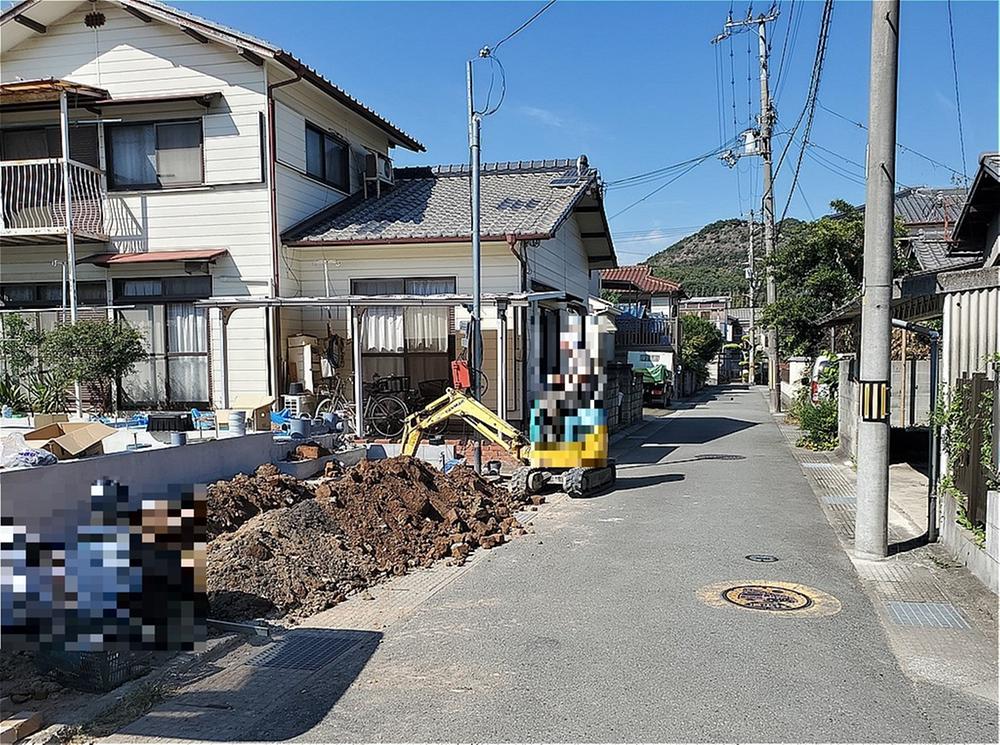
{"points": [[232, 503], [381, 518], [287, 560]]}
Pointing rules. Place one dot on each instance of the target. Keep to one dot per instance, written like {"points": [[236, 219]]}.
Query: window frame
{"points": [[109, 154], [324, 178]]}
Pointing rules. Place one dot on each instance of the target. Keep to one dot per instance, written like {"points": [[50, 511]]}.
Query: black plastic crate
{"points": [[93, 671]]}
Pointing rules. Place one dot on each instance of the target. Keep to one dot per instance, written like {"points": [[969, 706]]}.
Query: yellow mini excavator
{"points": [[526, 480]]}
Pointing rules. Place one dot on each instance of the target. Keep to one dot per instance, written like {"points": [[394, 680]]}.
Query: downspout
{"points": [[524, 312], [276, 378], [933, 445]]}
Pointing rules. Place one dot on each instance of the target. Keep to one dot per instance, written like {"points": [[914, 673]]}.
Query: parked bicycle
{"points": [[384, 412]]}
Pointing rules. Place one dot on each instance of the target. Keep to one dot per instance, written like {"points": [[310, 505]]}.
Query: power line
{"points": [[958, 98], [524, 25], [811, 99], [661, 186], [657, 174], [904, 148]]}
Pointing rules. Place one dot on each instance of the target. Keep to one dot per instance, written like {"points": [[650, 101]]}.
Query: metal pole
{"points": [[766, 120], [70, 237], [932, 446], [871, 522], [751, 278], [476, 338], [359, 390], [501, 361]]}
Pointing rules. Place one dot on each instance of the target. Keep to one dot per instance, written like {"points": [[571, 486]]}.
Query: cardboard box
{"points": [[71, 439], [258, 408], [44, 420]]}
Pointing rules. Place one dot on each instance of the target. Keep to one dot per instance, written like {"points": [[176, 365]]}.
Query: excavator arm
{"points": [[475, 414]]}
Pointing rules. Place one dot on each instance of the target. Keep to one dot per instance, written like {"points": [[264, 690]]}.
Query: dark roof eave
{"points": [[300, 68], [416, 240]]}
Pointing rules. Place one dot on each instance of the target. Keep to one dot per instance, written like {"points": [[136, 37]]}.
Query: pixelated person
{"points": [[567, 425], [169, 608], [32, 588]]}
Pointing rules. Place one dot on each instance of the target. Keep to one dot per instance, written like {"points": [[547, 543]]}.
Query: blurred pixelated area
{"points": [[130, 579], [568, 426]]}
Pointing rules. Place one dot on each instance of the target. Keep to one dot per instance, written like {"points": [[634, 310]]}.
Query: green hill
{"points": [[711, 261]]}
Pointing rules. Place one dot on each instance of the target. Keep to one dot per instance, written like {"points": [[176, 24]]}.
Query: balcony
{"points": [[654, 333], [33, 201]]}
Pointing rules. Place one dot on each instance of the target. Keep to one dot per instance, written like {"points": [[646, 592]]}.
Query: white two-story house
{"points": [[201, 163]]}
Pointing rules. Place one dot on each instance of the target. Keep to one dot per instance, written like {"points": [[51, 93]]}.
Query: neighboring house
{"points": [[192, 146], [928, 216], [544, 239], [716, 308], [971, 296], [637, 286]]}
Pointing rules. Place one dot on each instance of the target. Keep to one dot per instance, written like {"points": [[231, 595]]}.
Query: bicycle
{"points": [[384, 413]]}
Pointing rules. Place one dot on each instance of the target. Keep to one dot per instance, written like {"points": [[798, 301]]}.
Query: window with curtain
{"points": [[398, 340], [155, 155], [328, 158]]}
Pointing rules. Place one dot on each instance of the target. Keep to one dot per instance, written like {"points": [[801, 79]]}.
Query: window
{"points": [[328, 158], [409, 341], [29, 143], [161, 289], [50, 294], [155, 155]]}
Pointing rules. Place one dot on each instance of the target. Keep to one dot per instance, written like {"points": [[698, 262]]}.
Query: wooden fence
{"points": [[972, 475]]}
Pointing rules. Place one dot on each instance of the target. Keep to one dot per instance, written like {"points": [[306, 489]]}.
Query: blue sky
{"points": [[633, 85]]}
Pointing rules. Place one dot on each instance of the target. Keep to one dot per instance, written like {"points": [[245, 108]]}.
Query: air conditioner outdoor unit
{"points": [[378, 168]]}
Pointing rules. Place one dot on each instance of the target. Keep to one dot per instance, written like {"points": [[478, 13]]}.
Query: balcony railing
{"points": [[654, 332], [33, 203]]}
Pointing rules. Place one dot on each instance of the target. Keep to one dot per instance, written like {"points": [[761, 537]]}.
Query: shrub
{"points": [[819, 425], [98, 353]]}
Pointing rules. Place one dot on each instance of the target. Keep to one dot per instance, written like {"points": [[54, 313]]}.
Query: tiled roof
{"points": [[227, 35], [931, 250], [641, 276], [527, 199], [924, 205]]}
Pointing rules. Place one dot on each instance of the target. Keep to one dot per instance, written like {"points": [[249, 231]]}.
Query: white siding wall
{"points": [[147, 59], [561, 262], [300, 196], [661, 304]]}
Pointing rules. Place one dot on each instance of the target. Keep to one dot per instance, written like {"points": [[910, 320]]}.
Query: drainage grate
{"points": [[720, 456], [308, 650], [762, 558], [926, 615], [840, 499]]}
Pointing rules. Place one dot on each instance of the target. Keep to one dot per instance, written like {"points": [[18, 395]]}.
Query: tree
{"points": [[98, 353], [19, 345], [700, 342], [817, 267]]}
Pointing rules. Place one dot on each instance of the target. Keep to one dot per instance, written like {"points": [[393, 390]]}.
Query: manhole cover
{"points": [[762, 558], [767, 597]]}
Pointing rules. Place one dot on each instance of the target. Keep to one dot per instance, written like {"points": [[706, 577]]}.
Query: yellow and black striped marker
{"points": [[874, 401]]}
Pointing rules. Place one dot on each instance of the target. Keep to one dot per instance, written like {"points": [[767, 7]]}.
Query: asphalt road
{"points": [[594, 629]]}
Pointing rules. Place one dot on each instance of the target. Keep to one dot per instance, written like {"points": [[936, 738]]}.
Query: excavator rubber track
{"points": [[586, 482]]}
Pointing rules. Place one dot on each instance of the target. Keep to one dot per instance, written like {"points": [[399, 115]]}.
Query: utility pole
{"points": [[751, 280], [763, 149], [475, 336], [871, 522]]}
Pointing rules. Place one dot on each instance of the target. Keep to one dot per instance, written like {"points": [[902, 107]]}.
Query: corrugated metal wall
{"points": [[971, 331]]}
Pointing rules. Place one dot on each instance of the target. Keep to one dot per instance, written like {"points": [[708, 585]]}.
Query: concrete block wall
{"points": [[799, 368], [847, 410], [982, 562]]}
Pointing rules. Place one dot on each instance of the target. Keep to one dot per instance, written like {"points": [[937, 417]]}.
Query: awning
{"points": [[46, 91], [517, 299], [154, 257]]}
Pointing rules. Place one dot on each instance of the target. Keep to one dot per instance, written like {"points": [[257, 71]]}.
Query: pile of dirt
{"points": [[21, 681], [380, 518], [232, 503]]}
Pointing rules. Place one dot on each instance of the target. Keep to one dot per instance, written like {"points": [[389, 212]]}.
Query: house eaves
{"points": [[250, 47]]}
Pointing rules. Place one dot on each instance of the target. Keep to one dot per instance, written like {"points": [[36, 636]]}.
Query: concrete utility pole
{"points": [[475, 336], [751, 299], [763, 145], [871, 523]]}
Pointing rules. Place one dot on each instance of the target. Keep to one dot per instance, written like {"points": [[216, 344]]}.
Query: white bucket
{"points": [[237, 423]]}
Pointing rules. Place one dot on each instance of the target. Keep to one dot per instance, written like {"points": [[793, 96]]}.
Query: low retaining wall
{"points": [[47, 499], [984, 563]]}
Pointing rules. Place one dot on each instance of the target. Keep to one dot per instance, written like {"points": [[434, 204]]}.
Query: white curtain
{"points": [[133, 155], [427, 327], [187, 333], [382, 329]]}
